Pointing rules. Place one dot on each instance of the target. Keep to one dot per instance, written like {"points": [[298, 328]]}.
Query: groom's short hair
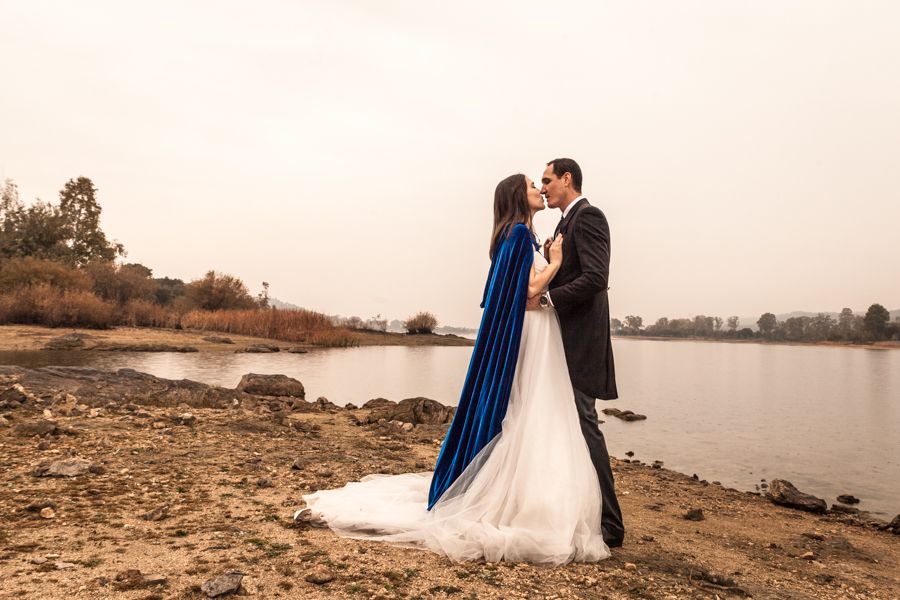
{"points": [[561, 166]]}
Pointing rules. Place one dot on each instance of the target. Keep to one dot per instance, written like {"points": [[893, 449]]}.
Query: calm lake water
{"points": [[825, 418]]}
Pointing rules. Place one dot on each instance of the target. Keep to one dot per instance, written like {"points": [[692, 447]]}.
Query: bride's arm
{"points": [[539, 281]]}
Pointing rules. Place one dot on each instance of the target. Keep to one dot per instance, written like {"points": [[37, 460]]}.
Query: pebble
{"points": [[64, 565], [227, 583], [157, 514], [630, 567], [808, 556], [320, 575], [47, 512], [187, 418], [65, 467], [694, 514]]}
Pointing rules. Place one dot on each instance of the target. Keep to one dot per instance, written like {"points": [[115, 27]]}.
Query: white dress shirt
{"points": [[571, 206]]}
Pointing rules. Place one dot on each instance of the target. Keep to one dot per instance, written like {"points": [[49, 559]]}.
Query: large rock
{"points": [[69, 341], [14, 395], [259, 349], [893, 526], [99, 388], [271, 385], [418, 411], [847, 510], [785, 494], [625, 415], [379, 403], [41, 427]]}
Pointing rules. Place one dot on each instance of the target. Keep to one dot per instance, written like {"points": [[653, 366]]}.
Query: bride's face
{"points": [[535, 199]]}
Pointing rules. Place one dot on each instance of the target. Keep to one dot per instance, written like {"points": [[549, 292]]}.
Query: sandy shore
{"points": [[29, 338], [183, 498]]}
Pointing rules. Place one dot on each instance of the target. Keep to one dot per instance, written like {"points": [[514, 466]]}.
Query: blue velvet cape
{"points": [[485, 393]]}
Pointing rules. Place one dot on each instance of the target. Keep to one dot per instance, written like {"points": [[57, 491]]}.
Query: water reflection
{"points": [[826, 418]]}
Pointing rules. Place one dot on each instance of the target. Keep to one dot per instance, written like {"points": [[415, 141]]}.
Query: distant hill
{"points": [[275, 302], [460, 331], [751, 321]]}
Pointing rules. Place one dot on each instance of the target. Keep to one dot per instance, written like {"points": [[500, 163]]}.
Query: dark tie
{"points": [[558, 227]]}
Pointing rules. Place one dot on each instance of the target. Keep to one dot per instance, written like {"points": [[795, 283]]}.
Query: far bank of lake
{"points": [[883, 345]]}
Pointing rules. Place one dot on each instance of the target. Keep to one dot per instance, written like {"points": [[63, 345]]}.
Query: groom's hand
{"points": [[533, 303]]}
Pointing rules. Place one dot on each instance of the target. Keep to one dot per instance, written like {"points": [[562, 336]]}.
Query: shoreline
{"points": [[189, 481], [885, 345], [27, 338]]}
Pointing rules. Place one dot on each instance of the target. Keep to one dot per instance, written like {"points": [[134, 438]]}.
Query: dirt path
{"points": [[185, 498]]}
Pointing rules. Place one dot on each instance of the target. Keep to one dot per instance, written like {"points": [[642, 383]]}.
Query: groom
{"points": [[578, 293]]}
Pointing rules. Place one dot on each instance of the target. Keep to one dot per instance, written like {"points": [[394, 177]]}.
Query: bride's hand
{"points": [[556, 251]]}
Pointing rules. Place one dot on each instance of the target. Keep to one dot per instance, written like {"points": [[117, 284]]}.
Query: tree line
{"points": [[58, 268], [63, 246], [874, 326]]}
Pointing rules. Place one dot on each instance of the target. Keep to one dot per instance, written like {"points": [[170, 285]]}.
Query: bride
{"points": [[514, 480]]}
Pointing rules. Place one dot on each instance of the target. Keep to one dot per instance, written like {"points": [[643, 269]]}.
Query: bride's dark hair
{"points": [[510, 208]]}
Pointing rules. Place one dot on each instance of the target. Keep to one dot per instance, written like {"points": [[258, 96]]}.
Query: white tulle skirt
{"points": [[531, 495]]}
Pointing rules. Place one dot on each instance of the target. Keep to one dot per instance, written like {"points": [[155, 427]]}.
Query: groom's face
{"points": [[553, 188]]}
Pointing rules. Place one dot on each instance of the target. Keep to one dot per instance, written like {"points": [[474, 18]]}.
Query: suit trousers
{"points": [[613, 529]]}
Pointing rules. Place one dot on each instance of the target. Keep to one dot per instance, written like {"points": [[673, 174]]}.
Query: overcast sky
{"points": [[747, 155]]}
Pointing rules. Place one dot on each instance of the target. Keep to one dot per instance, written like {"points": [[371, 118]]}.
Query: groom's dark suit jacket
{"points": [[579, 294]]}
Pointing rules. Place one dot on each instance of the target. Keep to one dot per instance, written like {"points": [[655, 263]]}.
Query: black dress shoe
{"points": [[612, 540]]}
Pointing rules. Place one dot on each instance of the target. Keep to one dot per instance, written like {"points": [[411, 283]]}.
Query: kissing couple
{"points": [[523, 473]]}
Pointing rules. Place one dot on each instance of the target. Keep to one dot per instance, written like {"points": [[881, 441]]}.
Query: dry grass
{"points": [[303, 326], [142, 313], [423, 322], [54, 307], [51, 306]]}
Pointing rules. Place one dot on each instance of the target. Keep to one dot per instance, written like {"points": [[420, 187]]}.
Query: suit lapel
{"points": [[563, 226]]}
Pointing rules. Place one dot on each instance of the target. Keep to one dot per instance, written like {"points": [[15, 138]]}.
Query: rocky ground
{"points": [[125, 485]]}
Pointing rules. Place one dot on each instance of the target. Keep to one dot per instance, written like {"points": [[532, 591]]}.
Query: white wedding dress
{"points": [[530, 495]]}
